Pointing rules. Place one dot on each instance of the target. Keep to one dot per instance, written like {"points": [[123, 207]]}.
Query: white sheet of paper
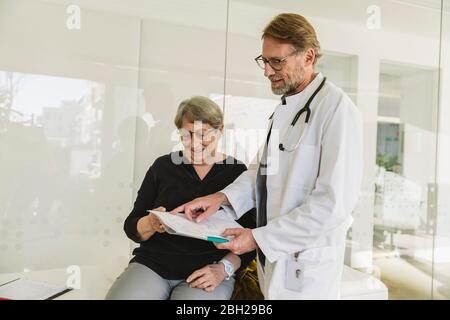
{"points": [[213, 226], [24, 289]]}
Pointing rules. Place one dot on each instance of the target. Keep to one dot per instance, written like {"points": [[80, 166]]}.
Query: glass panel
{"points": [[403, 233], [439, 204], [88, 93], [182, 54], [68, 82], [389, 67]]}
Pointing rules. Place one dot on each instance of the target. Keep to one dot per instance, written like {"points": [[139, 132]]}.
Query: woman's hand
{"points": [[149, 224], [207, 278], [155, 223]]}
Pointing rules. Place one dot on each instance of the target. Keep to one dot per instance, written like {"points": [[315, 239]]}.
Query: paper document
{"points": [[209, 229], [24, 289]]}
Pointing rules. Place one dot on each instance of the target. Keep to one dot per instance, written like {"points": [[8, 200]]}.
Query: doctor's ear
{"points": [[309, 57]]}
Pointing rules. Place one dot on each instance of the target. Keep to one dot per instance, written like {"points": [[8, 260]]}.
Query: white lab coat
{"points": [[310, 198]]}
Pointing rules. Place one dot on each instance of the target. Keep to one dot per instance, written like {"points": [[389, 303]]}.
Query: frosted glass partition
{"points": [[182, 54], [68, 103], [440, 204], [389, 67], [89, 90]]}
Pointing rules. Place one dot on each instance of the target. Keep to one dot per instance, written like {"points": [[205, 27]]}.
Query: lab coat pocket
{"points": [[311, 270], [304, 166], [294, 275]]}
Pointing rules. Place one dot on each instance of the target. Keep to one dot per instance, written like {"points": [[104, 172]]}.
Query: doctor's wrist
{"points": [[222, 198]]}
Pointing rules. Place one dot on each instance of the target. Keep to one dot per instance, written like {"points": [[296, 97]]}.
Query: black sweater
{"points": [[169, 185]]}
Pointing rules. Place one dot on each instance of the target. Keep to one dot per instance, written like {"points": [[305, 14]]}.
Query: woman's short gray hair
{"points": [[199, 108]]}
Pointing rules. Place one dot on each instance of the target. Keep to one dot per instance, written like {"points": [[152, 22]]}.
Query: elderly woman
{"points": [[174, 267]]}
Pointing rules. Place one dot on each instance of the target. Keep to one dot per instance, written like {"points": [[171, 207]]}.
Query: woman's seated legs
{"points": [[183, 292], [137, 282]]}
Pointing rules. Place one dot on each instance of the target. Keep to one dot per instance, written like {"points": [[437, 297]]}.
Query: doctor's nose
{"points": [[268, 70]]}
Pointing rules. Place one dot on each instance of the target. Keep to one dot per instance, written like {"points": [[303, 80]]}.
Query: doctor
{"points": [[309, 175]]}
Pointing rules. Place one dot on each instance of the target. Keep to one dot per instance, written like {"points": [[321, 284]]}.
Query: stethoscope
{"points": [[306, 112]]}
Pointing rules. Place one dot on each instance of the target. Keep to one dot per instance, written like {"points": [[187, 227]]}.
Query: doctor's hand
{"points": [[201, 208], [242, 242]]}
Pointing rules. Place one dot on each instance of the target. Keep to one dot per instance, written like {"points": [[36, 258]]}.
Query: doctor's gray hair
{"points": [[199, 108], [296, 30]]}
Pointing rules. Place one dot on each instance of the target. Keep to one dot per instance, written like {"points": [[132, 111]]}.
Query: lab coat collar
{"points": [[295, 98]]}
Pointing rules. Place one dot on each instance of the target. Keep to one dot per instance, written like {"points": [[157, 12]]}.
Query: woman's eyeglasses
{"points": [[198, 135]]}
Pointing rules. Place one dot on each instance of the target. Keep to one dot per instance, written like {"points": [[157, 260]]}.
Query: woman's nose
{"points": [[197, 143]]}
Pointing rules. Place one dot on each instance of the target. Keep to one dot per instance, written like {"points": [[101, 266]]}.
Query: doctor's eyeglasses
{"points": [[275, 63]]}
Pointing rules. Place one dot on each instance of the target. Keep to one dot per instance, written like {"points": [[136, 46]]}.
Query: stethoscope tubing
{"points": [[308, 103], [306, 109]]}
